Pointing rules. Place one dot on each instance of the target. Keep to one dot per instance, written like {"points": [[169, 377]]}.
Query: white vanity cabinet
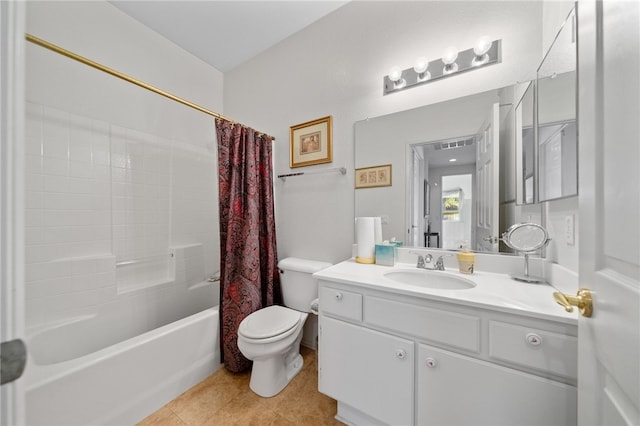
{"points": [[460, 390], [399, 359]]}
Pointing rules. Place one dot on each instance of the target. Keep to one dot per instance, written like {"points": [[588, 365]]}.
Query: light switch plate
{"points": [[569, 230]]}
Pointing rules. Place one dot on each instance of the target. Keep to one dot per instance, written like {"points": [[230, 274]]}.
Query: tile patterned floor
{"points": [[225, 399]]}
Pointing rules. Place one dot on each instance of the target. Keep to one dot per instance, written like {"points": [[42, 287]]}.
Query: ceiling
{"points": [[226, 34]]}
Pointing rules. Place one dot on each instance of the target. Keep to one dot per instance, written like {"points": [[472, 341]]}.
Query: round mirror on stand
{"points": [[526, 238]]}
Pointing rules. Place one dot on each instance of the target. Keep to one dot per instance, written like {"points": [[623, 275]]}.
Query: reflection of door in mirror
{"points": [[417, 217], [487, 178]]}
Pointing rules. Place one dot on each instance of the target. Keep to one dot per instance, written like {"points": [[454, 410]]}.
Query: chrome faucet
{"points": [[439, 265]]}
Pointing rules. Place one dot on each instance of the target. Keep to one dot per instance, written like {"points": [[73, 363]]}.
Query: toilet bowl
{"points": [[271, 336]]}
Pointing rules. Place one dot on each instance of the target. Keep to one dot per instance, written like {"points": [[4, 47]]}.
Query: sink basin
{"points": [[429, 279]]}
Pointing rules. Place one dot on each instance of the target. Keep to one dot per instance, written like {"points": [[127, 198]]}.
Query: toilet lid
{"points": [[269, 322]]}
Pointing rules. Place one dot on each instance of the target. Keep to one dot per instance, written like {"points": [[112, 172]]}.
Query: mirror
{"points": [[468, 202], [557, 132], [525, 148], [526, 238]]}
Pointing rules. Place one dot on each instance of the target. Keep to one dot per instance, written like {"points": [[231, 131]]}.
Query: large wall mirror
{"points": [[454, 172], [557, 150]]}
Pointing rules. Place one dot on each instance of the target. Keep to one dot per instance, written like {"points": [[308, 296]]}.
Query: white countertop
{"points": [[492, 291]]}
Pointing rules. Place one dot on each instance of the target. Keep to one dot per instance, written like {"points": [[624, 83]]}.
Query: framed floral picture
{"points": [[371, 177], [311, 143]]}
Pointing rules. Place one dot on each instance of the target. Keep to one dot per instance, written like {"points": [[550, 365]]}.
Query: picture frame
{"points": [[311, 143], [374, 177]]}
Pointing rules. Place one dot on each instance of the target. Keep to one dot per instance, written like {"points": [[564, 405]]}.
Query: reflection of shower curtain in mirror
{"points": [[249, 277]]}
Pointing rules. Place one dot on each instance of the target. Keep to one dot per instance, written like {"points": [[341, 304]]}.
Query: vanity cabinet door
{"points": [[455, 389], [367, 370]]}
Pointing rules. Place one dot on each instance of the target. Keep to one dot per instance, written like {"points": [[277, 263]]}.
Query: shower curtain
{"points": [[249, 277]]}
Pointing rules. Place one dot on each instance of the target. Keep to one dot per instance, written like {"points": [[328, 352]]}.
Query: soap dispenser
{"points": [[466, 261]]}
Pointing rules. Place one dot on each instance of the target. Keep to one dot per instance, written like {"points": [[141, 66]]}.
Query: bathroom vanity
{"points": [[394, 349]]}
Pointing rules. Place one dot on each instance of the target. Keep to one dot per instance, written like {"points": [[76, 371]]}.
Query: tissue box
{"points": [[385, 254]]}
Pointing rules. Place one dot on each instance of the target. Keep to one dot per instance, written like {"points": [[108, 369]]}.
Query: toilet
{"points": [[271, 336]]}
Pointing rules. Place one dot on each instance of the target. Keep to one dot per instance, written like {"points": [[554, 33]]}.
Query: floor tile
{"points": [[224, 399]]}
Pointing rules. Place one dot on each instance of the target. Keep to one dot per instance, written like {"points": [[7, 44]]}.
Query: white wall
{"points": [[336, 66], [114, 172]]}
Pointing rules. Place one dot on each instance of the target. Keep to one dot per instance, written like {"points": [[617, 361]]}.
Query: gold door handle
{"points": [[582, 300]]}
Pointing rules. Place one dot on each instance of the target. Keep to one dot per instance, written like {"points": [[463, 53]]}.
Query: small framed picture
{"points": [[371, 177], [311, 143]]}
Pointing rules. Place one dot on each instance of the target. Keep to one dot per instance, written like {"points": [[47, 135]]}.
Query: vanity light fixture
{"points": [[485, 52]]}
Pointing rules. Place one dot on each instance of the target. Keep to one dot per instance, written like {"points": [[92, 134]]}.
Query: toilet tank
{"points": [[299, 288]]}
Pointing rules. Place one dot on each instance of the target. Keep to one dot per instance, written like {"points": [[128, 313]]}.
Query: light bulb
{"points": [[482, 45], [421, 65], [450, 55], [395, 74]]}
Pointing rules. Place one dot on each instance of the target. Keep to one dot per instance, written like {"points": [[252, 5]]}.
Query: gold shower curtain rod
{"points": [[64, 52]]}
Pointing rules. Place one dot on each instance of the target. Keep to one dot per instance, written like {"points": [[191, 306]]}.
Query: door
{"points": [[487, 182], [609, 149], [11, 213]]}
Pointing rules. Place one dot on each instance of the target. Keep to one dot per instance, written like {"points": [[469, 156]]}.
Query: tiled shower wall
{"points": [[107, 208]]}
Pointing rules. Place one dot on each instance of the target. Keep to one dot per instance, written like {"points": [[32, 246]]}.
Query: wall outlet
{"points": [[569, 230]]}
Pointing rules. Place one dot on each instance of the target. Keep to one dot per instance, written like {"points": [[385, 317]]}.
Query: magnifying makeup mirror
{"points": [[526, 238]]}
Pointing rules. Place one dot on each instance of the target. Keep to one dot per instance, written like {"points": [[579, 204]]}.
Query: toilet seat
{"points": [[269, 322]]}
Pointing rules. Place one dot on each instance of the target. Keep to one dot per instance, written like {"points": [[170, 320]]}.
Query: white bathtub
{"points": [[122, 383]]}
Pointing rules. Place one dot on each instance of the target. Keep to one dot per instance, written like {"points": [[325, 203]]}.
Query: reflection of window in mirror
{"points": [[451, 205]]}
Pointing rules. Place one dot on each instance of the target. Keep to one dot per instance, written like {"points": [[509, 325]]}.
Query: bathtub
{"points": [[119, 384]]}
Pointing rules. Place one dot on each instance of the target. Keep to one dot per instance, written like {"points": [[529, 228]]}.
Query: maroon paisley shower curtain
{"points": [[249, 277]]}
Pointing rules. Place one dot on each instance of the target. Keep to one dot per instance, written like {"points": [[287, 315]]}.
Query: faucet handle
{"points": [[422, 260], [440, 262]]}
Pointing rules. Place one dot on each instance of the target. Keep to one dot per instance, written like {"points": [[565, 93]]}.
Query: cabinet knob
{"points": [[431, 362], [338, 296], [401, 353], [533, 339]]}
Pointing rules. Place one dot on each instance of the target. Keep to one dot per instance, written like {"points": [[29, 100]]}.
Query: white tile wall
{"points": [[189, 264], [98, 194]]}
